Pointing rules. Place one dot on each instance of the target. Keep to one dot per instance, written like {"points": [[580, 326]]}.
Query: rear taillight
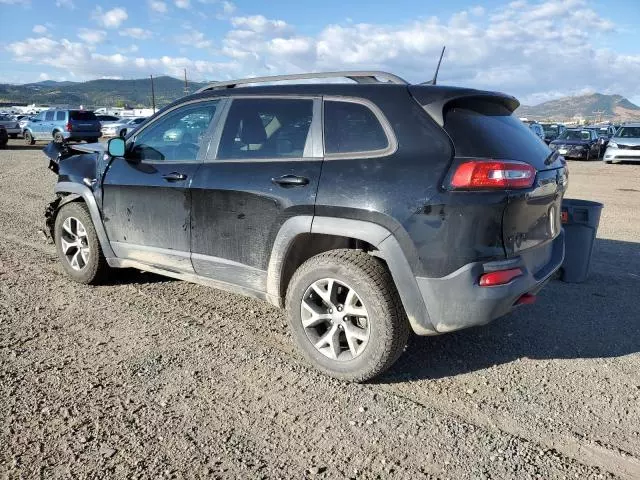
{"points": [[501, 277], [492, 174], [69, 127]]}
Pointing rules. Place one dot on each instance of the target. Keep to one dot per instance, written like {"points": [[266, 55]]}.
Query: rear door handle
{"points": [[291, 181], [174, 177]]}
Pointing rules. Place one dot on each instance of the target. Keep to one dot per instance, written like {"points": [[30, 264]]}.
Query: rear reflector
{"points": [[493, 174], [69, 127], [500, 277], [526, 299]]}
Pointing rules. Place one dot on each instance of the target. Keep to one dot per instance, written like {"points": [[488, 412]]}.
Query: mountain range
{"points": [[137, 93]]}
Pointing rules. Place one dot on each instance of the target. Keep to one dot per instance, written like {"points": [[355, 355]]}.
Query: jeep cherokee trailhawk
{"points": [[366, 209]]}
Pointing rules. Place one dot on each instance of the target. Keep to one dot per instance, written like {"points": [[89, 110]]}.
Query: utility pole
{"points": [[599, 115], [186, 84], [153, 96]]}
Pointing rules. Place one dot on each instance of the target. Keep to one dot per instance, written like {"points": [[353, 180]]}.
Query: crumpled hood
{"points": [[76, 162]]}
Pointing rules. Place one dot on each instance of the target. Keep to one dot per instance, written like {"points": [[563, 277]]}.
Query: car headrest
{"points": [[252, 131]]}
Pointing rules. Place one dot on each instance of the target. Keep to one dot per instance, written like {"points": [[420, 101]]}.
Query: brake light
{"points": [[501, 277], [69, 127], [493, 174]]}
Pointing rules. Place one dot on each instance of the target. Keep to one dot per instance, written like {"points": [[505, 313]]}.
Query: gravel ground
{"points": [[154, 378]]}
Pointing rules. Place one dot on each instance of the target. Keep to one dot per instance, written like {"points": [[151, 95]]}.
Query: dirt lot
{"points": [[155, 378]]}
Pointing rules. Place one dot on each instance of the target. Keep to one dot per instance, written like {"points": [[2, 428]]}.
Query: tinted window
{"points": [[82, 115], [266, 128], [49, 115], [488, 130], [351, 127], [61, 116], [176, 136]]}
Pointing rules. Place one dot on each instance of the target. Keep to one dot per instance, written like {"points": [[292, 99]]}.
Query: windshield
{"points": [[576, 135], [628, 132], [552, 129]]}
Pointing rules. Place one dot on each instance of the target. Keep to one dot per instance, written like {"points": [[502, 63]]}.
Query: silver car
{"points": [[122, 127], [624, 145], [11, 125]]}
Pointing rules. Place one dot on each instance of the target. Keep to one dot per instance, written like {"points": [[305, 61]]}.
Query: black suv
{"points": [[367, 209]]}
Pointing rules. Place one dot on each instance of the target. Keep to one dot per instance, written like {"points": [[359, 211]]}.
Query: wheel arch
{"points": [[302, 237], [76, 192]]}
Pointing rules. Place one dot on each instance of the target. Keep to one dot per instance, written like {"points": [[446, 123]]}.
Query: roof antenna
{"points": [[435, 76]]}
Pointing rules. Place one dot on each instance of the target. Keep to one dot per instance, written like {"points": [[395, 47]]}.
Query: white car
{"points": [[11, 126], [624, 145], [121, 127]]}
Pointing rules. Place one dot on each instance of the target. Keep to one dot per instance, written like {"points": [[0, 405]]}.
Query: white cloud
{"points": [[91, 35], [194, 39], [182, 3], [110, 19], [40, 29], [65, 4], [535, 50], [43, 76], [136, 32], [16, 2], [228, 7], [158, 6]]}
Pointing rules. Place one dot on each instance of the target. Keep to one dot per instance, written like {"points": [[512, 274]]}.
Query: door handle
{"points": [[174, 177], [290, 181]]}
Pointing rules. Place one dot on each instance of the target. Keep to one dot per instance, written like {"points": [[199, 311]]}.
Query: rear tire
{"points": [[78, 246], [58, 138], [28, 138], [369, 333]]}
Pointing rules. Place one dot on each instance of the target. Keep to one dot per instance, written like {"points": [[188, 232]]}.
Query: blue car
{"points": [[62, 126]]}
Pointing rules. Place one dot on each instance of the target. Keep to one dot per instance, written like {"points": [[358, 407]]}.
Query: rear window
{"points": [[351, 128], [488, 130], [82, 115]]}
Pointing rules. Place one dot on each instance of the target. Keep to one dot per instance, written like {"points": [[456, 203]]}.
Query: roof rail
{"points": [[356, 75]]}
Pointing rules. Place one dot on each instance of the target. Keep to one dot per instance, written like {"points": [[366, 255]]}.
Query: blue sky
{"points": [[534, 49]]}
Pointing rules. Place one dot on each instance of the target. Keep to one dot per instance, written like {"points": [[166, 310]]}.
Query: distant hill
{"points": [[95, 93], [612, 107]]}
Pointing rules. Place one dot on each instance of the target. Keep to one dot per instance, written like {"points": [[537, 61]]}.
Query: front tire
{"points": [[346, 316], [28, 139], [78, 246]]}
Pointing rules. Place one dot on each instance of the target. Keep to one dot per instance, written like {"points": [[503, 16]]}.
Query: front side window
{"points": [[351, 128], [177, 136], [49, 116], [266, 128], [61, 116]]}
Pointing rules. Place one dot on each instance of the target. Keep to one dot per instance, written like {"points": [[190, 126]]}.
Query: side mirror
{"points": [[116, 147]]}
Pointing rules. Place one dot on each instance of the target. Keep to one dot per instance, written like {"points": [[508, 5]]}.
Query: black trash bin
{"points": [[580, 219]]}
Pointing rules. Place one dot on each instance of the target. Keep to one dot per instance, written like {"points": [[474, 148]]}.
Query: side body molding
{"points": [[388, 249], [87, 195]]}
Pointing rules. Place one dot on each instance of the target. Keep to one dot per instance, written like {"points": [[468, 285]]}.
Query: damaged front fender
{"points": [[51, 211]]}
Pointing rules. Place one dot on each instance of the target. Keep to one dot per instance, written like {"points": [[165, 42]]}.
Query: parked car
{"points": [[62, 126], [624, 145], [107, 118], [10, 125], [536, 128], [122, 127], [4, 137], [604, 132], [365, 209], [552, 131], [581, 143], [23, 122]]}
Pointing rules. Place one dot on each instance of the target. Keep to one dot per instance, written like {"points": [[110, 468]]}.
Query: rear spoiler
{"points": [[435, 99]]}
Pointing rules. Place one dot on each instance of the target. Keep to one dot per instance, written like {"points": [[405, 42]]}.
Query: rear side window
{"points": [[49, 115], [484, 129], [266, 128], [82, 115], [61, 116], [351, 128]]}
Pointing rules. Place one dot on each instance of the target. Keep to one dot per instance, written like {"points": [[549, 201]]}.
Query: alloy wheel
{"points": [[74, 243], [335, 319]]}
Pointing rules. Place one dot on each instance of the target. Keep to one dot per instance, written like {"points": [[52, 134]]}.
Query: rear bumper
{"points": [[81, 135], [457, 301]]}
